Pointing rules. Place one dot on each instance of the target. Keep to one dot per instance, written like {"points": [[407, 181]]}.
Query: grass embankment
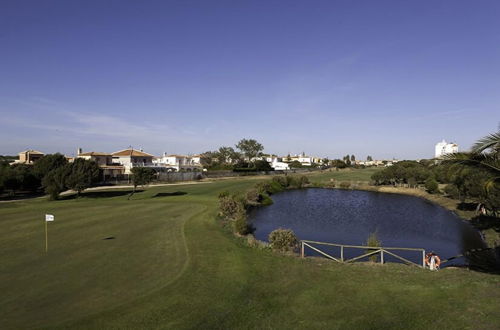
{"points": [[170, 265]]}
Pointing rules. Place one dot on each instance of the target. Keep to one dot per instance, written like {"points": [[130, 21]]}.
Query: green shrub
{"points": [[275, 187], [452, 191], [253, 197], [297, 181], [266, 200], [241, 225], [283, 240], [280, 180], [373, 241], [263, 187], [345, 185], [230, 206], [431, 185]]}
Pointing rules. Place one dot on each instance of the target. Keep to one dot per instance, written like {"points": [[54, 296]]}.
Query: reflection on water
{"points": [[349, 216]]}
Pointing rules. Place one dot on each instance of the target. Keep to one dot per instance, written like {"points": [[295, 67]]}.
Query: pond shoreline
{"points": [[450, 204]]}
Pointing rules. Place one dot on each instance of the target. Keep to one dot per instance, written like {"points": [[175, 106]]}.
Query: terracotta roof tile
{"points": [[131, 152], [93, 153]]}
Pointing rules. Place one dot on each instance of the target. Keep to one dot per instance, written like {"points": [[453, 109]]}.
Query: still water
{"points": [[349, 216]]}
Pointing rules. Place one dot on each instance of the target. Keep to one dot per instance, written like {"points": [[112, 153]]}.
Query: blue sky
{"points": [[381, 78]]}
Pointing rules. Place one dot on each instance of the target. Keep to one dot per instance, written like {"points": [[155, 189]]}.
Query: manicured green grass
{"points": [[349, 174], [171, 265]]}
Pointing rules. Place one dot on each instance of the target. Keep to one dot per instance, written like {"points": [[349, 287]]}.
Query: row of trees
{"points": [[243, 157], [473, 175], [52, 174]]}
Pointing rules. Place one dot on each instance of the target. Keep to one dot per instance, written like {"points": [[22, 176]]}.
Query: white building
{"points": [[179, 162], [279, 166], [130, 158], [445, 148]]}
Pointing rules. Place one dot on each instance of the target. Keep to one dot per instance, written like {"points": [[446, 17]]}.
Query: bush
{"points": [[298, 181], [266, 200], [431, 185], [345, 185], [452, 191], [280, 180], [253, 197], [262, 165], [374, 241], [275, 187], [230, 206], [263, 187], [240, 224], [283, 240]]}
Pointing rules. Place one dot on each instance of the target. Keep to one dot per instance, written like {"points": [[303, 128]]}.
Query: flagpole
{"points": [[46, 238]]}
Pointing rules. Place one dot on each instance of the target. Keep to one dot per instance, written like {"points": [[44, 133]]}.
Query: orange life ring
{"points": [[437, 260], [428, 259]]}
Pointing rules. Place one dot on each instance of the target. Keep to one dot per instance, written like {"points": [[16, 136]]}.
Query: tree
{"points": [[227, 155], [207, 159], [353, 158], [262, 165], [295, 164], [82, 174], [347, 160], [485, 154], [250, 148], [48, 163], [141, 176], [54, 182], [369, 158], [431, 185], [339, 163]]}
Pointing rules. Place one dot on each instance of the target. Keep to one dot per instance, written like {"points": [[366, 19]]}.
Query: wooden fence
{"points": [[374, 251]]}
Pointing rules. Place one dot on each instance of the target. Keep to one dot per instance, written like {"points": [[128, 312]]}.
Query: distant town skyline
{"points": [[329, 78]]}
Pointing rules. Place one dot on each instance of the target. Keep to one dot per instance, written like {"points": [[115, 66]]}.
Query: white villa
{"points": [[279, 166], [444, 148], [179, 162], [130, 158], [104, 161]]}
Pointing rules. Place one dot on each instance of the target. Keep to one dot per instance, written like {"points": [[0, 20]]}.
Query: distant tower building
{"points": [[444, 148]]}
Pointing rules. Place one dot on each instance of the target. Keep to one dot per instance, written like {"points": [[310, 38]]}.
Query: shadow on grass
{"points": [[489, 259], [463, 206], [101, 194], [484, 222], [166, 194]]}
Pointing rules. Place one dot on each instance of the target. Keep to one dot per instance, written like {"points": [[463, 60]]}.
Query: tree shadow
{"points": [[486, 260], [166, 194], [100, 194], [484, 222], [463, 206]]}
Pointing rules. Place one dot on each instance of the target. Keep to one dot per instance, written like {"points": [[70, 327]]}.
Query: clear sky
{"points": [[381, 78]]}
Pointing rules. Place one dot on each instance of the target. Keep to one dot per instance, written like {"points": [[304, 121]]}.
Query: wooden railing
{"points": [[376, 250]]}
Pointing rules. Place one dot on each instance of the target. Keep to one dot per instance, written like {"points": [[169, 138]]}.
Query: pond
{"points": [[349, 216]]}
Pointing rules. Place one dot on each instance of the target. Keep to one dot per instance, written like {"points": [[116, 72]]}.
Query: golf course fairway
{"points": [[162, 260]]}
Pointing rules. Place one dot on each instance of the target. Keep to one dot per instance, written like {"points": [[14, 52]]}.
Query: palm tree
{"points": [[491, 141], [485, 154]]}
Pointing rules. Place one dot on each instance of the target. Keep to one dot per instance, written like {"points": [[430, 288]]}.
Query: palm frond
{"points": [[488, 162], [491, 183], [491, 141]]}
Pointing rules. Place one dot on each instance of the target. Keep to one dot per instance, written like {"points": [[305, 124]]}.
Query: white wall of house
{"points": [[444, 148], [280, 166], [180, 162]]}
